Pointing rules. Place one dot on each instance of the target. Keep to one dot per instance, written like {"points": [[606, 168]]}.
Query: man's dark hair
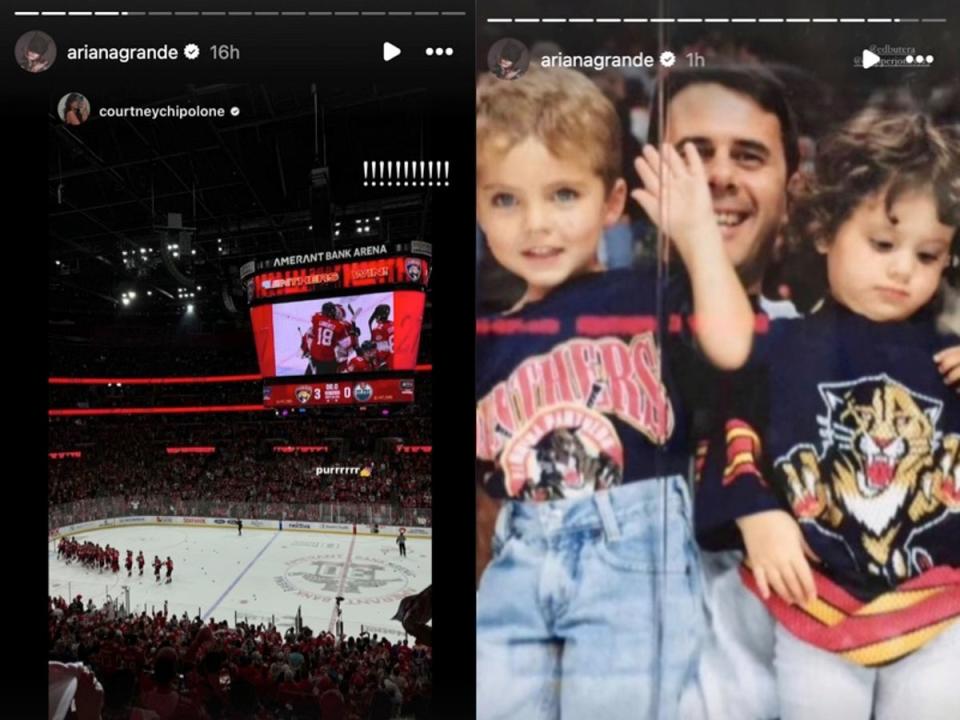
{"points": [[38, 43], [119, 689], [165, 665], [243, 697], [754, 81], [212, 662], [511, 51]]}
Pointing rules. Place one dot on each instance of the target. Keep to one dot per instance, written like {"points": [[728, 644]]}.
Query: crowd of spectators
{"points": [[250, 470], [145, 360], [257, 426], [165, 667]]}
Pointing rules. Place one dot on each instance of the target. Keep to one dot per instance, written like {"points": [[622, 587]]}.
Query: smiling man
{"points": [[740, 121]]}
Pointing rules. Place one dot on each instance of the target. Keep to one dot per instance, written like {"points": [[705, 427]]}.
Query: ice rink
{"points": [[260, 575]]}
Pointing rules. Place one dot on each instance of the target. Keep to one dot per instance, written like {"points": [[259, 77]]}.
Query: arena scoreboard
{"points": [[339, 326]]}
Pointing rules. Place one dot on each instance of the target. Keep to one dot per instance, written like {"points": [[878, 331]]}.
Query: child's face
{"points": [[888, 266], [543, 216]]}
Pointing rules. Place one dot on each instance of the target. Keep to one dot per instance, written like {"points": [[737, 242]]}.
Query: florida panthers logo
{"points": [[565, 465], [883, 470], [413, 270], [303, 394], [564, 452]]}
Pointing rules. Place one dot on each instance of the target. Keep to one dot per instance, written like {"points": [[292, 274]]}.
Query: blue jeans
{"points": [[814, 683], [735, 678], [591, 609]]}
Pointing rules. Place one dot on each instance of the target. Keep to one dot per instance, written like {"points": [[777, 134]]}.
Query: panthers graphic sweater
{"points": [[856, 435], [573, 396]]}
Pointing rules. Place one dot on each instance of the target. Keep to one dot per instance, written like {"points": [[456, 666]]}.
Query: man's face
{"points": [[742, 150], [32, 57]]}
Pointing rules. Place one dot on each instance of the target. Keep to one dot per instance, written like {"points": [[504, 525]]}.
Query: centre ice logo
{"points": [[322, 577]]}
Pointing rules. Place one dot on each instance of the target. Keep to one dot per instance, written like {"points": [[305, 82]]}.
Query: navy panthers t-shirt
{"points": [[573, 395], [859, 439]]}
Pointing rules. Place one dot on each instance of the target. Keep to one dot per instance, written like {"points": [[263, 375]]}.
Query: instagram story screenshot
{"points": [[717, 360], [248, 214]]}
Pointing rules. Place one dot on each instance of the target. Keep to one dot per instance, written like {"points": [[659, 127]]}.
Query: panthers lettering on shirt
{"points": [[382, 334], [860, 443], [572, 393]]}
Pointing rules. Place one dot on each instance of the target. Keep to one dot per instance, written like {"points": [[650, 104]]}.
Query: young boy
{"points": [[591, 604], [861, 438]]}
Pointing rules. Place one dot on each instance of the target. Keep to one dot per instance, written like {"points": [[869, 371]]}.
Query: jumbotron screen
{"points": [[348, 333]]}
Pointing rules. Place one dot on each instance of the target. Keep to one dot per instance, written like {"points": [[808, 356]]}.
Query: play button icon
{"points": [[869, 59], [390, 51]]}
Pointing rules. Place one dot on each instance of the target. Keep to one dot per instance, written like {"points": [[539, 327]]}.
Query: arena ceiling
{"points": [[136, 205]]}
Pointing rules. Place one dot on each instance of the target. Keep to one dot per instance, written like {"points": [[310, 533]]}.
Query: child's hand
{"points": [[948, 362], [676, 196], [776, 549]]}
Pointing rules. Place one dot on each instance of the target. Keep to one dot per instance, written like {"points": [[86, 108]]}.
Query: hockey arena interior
{"points": [[239, 410]]}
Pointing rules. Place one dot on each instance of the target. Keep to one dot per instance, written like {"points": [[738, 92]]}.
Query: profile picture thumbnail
{"points": [[508, 59], [35, 51], [74, 109]]}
